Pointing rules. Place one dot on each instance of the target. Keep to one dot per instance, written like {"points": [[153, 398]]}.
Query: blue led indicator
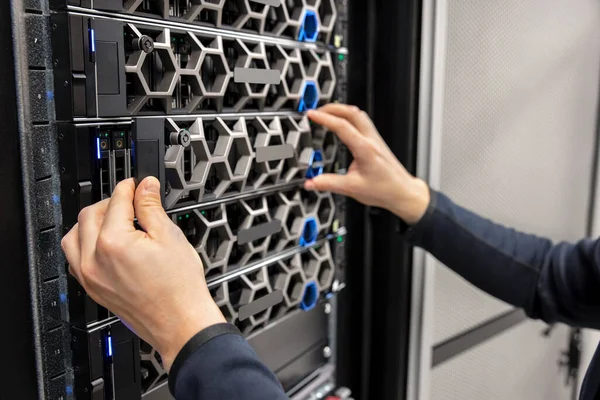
{"points": [[309, 234], [63, 298], [69, 390], [109, 346], [315, 164], [50, 95], [98, 147], [55, 198], [310, 296], [309, 99], [309, 30], [93, 40]]}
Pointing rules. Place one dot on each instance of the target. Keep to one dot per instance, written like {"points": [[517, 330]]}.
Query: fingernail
{"points": [[151, 185], [309, 185]]}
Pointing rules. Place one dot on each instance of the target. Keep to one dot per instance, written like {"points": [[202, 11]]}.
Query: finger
{"points": [[341, 127], [334, 183], [355, 115], [149, 210], [89, 225], [119, 215], [71, 248]]}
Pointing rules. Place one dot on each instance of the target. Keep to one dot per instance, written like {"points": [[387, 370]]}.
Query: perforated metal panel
{"points": [[520, 101], [516, 365]]}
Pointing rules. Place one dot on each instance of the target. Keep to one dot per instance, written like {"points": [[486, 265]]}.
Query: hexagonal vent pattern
{"points": [[291, 276], [294, 19], [214, 231], [189, 72], [220, 158]]}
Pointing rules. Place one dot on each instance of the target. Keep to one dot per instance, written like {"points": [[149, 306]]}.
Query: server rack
{"points": [[216, 91]]}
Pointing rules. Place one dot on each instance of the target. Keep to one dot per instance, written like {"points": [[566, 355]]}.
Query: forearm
{"points": [[222, 367], [556, 283], [501, 261]]}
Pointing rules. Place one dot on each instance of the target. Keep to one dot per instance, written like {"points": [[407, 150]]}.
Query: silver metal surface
{"points": [[128, 120], [431, 98], [96, 326], [75, 10], [273, 3], [257, 75]]}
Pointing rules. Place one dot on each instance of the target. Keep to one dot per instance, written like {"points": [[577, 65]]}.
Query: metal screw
{"points": [[144, 43], [72, 191], [181, 138], [327, 308], [184, 138], [326, 352], [61, 136]]}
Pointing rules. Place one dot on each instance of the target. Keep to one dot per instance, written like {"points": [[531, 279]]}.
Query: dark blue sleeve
{"points": [[552, 282], [226, 368]]}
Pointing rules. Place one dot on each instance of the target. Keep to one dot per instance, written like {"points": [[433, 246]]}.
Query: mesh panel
{"points": [[518, 364], [518, 127]]}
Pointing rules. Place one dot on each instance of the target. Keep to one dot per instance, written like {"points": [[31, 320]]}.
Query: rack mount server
{"points": [[208, 96]]}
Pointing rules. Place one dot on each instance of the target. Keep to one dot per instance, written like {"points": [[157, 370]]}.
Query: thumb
{"points": [[148, 207], [329, 183]]}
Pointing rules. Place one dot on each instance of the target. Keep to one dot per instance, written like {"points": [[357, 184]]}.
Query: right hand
{"points": [[152, 279], [375, 177]]}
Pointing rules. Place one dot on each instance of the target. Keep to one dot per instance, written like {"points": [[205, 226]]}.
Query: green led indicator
{"points": [[203, 212], [122, 134], [340, 239], [179, 218], [341, 57], [187, 216]]}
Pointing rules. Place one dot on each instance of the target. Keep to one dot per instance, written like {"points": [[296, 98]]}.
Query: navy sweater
{"points": [[551, 282]]}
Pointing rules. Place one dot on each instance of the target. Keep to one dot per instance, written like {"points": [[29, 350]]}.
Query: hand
{"points": [[375, 177], [153, 280]]}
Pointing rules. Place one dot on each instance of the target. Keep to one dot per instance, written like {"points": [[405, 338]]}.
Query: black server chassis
{"points": [[223, 109]]}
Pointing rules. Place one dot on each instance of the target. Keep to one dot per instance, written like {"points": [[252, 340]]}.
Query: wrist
{"points": [[192, 322], [411, 201]]}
